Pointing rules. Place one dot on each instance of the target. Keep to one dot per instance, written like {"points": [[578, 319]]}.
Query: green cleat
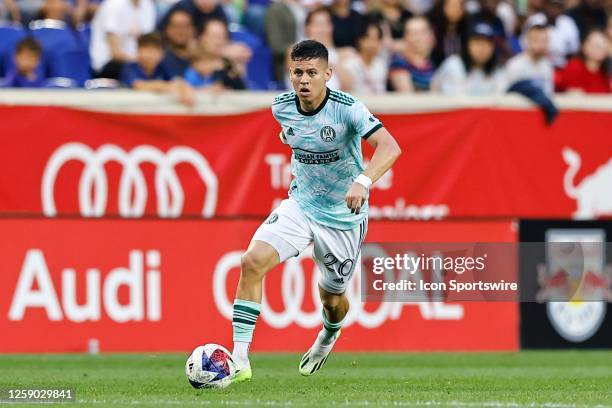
{"points": [[242, 375]]}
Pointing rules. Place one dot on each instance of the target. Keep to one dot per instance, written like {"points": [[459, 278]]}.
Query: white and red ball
{"points": [[210, 366]]}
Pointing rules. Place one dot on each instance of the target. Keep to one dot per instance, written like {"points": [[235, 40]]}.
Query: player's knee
{"points": [[332, 304], [252, 265]]}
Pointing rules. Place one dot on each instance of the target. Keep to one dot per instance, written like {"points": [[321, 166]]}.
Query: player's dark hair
{"points": [[150, 39], [29, 44], [309, 49]]}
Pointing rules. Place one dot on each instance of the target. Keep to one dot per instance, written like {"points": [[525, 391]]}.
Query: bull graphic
{"points": [[594, 194]]}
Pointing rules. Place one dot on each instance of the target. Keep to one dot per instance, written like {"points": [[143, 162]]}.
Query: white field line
{"points": [[347, 403]]}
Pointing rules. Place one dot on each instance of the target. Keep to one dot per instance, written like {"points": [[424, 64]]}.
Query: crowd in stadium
{"points": [[453, 47]]}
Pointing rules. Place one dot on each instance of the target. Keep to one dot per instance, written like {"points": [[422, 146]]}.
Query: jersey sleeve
{"points": [[363, 121]]}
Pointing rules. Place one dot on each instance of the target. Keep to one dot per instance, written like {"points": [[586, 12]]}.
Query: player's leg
{"points": [[259, 258], [335, 308], [336, 254], [283, 235]]}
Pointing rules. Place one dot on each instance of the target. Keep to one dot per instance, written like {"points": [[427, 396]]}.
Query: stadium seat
{"points": [[73, 64], [54, 35], [64, 54], [84, 35], [259, 68], [10, 35]]}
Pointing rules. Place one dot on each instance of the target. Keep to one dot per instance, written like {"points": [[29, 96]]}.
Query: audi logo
{"points": [[293, 292], [133, 194]]}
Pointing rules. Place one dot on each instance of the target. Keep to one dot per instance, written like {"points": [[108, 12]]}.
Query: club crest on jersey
{"points": [[328, 134]]}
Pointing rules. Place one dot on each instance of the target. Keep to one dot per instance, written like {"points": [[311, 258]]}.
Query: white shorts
{"points": [[336, 252]]}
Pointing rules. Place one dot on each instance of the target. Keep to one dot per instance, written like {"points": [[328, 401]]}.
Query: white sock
{"points": [[241, 353]]}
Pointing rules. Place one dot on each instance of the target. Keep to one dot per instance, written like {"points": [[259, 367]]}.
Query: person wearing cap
{"points": [[563, 35], [475, 71]]}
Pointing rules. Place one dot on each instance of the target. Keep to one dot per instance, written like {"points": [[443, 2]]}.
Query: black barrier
{"points": [[575, 324]]}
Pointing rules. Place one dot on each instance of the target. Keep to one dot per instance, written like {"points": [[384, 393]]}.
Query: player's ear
{"points": [[328, 73]]}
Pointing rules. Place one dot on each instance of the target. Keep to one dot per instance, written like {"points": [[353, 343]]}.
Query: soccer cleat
{"points": [[243, 374], [316, 357]]}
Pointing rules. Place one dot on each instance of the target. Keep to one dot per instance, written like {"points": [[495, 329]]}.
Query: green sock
{"points": [[244, 317]]}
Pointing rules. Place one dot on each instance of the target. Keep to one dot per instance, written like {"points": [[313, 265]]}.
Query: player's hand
{"points": [[355, 197]]}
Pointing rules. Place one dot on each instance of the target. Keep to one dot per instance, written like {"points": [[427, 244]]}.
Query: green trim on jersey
{"points": [[284, 98]]}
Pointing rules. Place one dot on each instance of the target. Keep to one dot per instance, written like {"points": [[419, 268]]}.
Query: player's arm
{"points": [[386, 152]]}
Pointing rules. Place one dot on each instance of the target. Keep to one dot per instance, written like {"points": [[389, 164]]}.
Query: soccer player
{"points": [[327, 202]]}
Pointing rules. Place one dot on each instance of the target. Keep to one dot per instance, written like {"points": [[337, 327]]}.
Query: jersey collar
{"points": [[314, 112]]}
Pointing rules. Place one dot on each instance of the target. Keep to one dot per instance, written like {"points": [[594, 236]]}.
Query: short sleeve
{"points": [[363, 121]]}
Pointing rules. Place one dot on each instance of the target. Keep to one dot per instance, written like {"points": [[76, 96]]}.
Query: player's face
{"points": [[308, 78]]}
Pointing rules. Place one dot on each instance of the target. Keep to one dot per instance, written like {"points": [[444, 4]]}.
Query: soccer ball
{"points": [[210, 366]]}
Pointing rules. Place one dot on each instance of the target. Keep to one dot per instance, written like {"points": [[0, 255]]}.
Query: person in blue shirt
{"points": [[208, 70], [179, 38], [200, 10], [26, 73], [148, 67], [149, 74]]}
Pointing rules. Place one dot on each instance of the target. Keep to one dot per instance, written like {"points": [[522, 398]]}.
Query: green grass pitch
{"points": [[500, 380]]}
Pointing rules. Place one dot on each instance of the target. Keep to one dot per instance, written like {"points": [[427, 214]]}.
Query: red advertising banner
{"points": [[161, 285], [463, 163]]}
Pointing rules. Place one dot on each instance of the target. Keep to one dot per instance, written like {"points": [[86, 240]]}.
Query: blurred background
{"points": [[139, 155]]}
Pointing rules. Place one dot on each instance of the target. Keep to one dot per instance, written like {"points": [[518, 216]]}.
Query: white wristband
{"points": [[364, 181]]}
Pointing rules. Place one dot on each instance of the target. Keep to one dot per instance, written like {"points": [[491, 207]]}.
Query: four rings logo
{"points": [[294, 289], [93, 184]]}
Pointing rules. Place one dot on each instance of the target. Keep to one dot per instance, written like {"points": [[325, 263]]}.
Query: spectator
{"points": [[412, 70], [208, 70], [55, 10], [590, 71], [26, 73], [180, 40], [475, 72], [319, 28], [148, 74], [563, 36], [589, 15], [10, 8], [487, 14], [451, 29], [282, 21], [114, 34], [215, 38], [200, 11], [347, 23], [392, 16], [533, 64], [366, 71]]}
